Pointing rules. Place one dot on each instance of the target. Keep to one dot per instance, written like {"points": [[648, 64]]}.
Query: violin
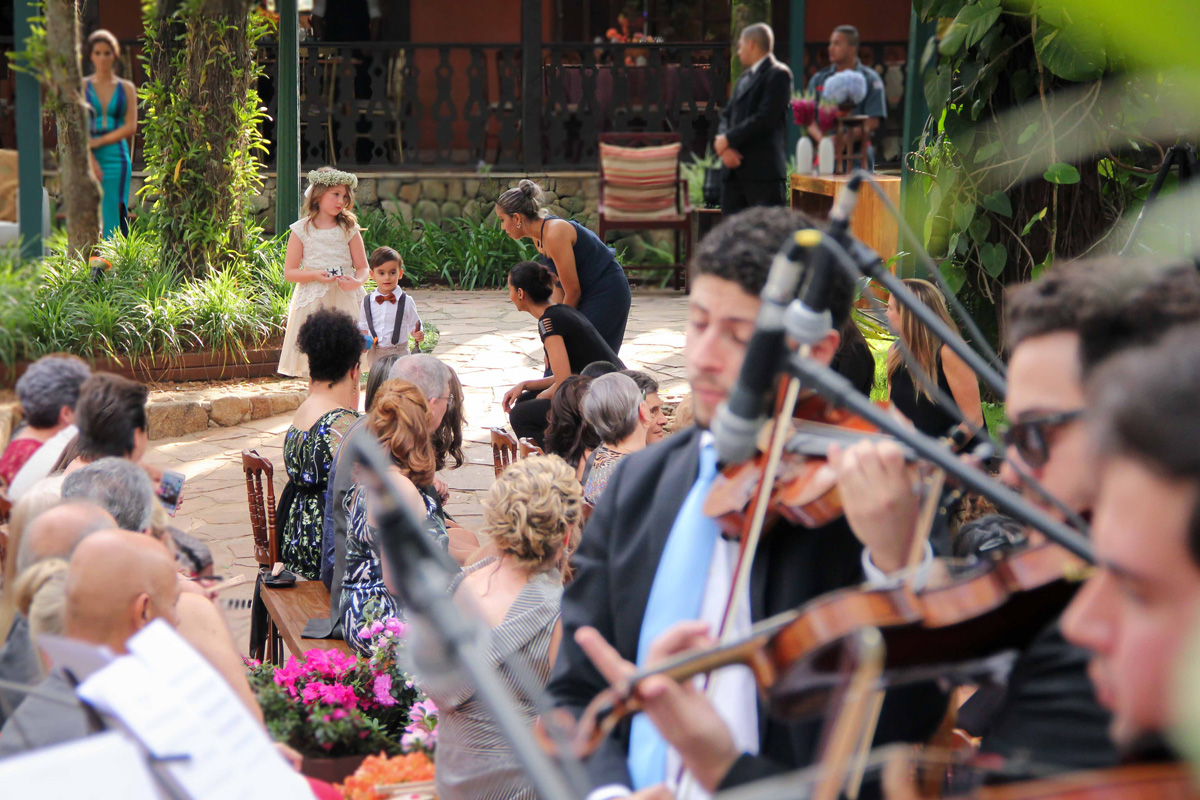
{"points": [[996, 605], [805, 490]]}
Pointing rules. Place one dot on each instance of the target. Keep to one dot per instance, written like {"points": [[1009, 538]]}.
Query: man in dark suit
{"points": [[752, 135], [646, 532]]}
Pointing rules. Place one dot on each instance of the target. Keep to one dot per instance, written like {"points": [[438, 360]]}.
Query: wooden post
{"points": [[29, 140], [531, 83], [287, 123], [916, 114]]}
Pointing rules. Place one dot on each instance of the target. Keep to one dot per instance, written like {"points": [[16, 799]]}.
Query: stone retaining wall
{"points": [[434, 196]]}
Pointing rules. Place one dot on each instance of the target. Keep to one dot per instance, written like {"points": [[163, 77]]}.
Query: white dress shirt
{"points": [[384, 317]]}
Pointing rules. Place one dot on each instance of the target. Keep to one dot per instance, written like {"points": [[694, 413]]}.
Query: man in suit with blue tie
{"points": [[752, 135], [650, 559]]}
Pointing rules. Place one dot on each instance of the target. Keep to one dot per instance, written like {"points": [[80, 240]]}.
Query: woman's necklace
{"points": [[541, 235]]}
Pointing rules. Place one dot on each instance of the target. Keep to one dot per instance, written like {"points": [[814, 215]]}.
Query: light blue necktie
{"points": [[675, 596]]}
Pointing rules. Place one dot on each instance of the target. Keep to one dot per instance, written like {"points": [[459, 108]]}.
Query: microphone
{"points": [[738, 420]]}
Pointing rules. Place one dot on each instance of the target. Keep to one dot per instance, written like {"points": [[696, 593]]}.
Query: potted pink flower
{"points": [[335, 708]]}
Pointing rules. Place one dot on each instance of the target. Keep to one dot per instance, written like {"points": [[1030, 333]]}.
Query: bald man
{"points": [[118, 583], [52, 534], [56, 533]]}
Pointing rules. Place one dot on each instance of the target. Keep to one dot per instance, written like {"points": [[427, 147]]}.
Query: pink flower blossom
{"points": [[364, 632], [339, 713], [314, 692], [382, 688], [395, 626]]}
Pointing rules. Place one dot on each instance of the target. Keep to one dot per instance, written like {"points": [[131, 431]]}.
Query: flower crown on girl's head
{"points": [[332, 177]]}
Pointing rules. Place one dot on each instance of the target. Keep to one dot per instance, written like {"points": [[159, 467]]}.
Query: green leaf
{"points": [[954, 274], [937, 89], [998, 203], [963, 214], [961, 132], [1029, 132], [1062, 173], [1074, 52], [930, 55], [994, 257], [979, 230], [1038, 269], [971, 25], [1033, 221], [1022, 84], [988, 151]]}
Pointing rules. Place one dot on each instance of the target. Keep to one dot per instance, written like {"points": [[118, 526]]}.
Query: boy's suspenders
{"points": [[401, 306]]}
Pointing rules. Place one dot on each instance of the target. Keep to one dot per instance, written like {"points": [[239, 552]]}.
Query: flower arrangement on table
{"points": [[327, 704], [840, 94]]}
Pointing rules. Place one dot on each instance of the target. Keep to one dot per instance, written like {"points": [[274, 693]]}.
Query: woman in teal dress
{"points": [[331, 340], [113, 102]]}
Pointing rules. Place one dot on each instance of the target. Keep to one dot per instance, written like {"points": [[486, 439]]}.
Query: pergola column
{"points": [[29, 141], [287, 122]]}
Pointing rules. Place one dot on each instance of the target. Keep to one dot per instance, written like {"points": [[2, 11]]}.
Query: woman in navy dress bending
{"points": [[589, 277]]}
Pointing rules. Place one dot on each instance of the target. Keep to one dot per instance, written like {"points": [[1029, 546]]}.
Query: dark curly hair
{"points": [[742, 247], [332, 342], [567, 435], [532, 278]]}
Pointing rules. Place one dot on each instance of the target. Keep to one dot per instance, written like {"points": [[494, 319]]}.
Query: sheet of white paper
{"points": [[175, 703], [107, 766]]}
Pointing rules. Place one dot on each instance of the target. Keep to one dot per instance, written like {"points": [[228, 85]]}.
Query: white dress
{"points": [[324, 248]]}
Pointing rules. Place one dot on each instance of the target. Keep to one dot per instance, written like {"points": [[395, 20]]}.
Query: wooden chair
{"points": [[528, 448], [260, 494], [505, 449], [641, 189], [288, 609]]}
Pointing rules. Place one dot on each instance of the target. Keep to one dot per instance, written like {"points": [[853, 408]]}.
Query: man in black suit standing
{"points": [[752, 135], [649, 560]]}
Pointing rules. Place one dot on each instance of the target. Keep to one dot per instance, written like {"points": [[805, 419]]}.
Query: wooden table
{"points": [[871, 223], [290, 611]]}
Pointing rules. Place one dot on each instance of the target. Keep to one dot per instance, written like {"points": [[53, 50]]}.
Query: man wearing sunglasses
{"points": [[1059, 329]]}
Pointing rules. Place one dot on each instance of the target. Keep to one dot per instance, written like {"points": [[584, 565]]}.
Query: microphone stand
{"points": [[838, 390], [418, 574]]}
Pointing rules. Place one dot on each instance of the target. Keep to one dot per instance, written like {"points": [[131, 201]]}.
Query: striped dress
{"points": [[474, 761]]}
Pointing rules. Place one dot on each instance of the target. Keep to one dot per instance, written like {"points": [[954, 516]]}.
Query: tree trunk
{"points": [[80, 191]]}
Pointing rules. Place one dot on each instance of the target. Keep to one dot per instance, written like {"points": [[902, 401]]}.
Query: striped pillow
{"points": [[640, 181]]}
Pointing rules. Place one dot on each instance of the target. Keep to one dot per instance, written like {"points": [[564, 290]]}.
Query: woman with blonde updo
{"points": [[531, 516], [399, 418]]}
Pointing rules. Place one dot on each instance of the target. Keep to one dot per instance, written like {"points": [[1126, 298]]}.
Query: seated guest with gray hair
{"points": [[615, 410], [654, 404], [48, 391], [120, 487]]}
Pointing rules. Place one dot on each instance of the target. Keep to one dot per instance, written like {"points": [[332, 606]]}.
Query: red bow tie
{"points": [[385, 298]]}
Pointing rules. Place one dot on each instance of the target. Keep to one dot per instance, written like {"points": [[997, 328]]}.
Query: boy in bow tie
{"points": [[389, 316]]}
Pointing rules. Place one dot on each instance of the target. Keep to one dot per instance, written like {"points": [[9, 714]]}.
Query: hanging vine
{"points": [[1006, 84]]}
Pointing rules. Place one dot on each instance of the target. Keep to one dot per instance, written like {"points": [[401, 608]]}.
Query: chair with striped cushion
{"points": [[641, 189]]}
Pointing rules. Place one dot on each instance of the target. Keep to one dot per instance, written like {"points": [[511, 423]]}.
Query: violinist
{"points": [[1059, 329], [1135, 611], [650, 559]]}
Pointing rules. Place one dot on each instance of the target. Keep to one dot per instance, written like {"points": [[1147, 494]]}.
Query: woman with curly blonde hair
{"points": [[531, 515], [399, 418]]}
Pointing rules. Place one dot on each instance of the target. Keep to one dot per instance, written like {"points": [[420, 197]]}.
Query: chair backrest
{"points": [[528, 448], [505, 449], [260, 494], [639, 175]]}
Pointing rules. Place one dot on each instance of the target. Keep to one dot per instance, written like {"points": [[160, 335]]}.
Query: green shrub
{"points": [[141, 304], [466, 254]]}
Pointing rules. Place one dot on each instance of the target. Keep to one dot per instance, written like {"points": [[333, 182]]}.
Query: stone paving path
{"points": [[491, 346]]}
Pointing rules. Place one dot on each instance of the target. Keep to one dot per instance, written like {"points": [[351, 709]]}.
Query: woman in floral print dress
{"points": [[399, 418], [333, 345]]}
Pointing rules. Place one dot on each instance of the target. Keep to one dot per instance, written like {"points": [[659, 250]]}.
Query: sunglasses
{"points": [[1031, 436]]}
